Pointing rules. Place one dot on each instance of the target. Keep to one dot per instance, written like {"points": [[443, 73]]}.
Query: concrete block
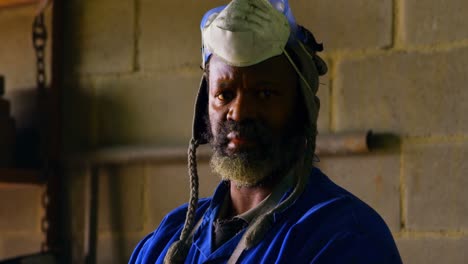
{"points": [[20, 209], [432, 22], [121, 198], [436, 186], [169, 187], [345, 24], [116, 249], [433, 250], [13, 245], [140, 109], [405, 93], [101, 35], [374, 178], [170, 33]]}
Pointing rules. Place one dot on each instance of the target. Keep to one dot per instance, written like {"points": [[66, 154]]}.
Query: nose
{"points": [[242, 108]]}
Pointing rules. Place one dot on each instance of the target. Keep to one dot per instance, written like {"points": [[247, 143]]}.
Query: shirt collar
{"points": [[266, 204]]}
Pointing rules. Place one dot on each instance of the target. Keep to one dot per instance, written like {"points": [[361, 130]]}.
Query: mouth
{"points": [[237, 142]]}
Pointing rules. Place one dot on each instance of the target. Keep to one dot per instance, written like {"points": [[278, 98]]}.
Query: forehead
{"points": [[275, 69]]}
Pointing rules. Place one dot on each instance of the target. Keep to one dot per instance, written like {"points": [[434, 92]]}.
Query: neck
{"points": [[246, 198]]}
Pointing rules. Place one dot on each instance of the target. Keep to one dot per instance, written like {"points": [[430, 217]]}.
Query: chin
{"points": [[237, 168]]}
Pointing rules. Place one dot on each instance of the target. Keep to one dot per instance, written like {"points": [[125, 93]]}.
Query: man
{"points": [[257, 108]]}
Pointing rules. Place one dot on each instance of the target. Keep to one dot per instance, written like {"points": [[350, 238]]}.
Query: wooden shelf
{"points": [[20, 176]]}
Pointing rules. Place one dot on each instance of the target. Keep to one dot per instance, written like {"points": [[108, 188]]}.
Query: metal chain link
{"points": [[39, 39], [44, 220]]}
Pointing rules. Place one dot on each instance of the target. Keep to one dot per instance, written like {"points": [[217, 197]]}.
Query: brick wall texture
{"points": [[396, 66]]}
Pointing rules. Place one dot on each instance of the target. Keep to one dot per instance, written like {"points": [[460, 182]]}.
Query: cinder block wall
{"points": [[395, 66]]}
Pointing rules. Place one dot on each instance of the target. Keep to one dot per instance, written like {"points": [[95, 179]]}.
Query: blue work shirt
{"points": [[326, 224]]}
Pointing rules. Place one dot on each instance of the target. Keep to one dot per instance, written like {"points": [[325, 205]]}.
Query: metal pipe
{"points": [[347, 143], [13, 3], [342, 143]]}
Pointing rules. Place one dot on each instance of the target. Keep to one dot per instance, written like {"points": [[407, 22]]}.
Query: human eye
{"points": [[266, 93], [224, 96]]}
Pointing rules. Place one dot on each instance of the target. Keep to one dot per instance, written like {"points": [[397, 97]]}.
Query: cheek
{"points": [[215, 118], [279, 116]]}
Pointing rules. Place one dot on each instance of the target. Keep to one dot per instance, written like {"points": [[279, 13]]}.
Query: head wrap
{"points": [[244, 33]]}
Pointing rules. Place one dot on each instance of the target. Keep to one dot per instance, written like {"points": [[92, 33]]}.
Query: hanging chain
{"points": [[39, 38]]}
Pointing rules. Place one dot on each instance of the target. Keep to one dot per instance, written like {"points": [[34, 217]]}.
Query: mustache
{"points": [[248, 129]]}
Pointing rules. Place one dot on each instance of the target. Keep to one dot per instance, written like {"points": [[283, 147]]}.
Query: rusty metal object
{"points": [[130, 154], [343, 143], [351, 143]]}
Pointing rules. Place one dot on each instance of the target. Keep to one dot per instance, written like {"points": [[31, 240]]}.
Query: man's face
{"points": [[254, 119]]}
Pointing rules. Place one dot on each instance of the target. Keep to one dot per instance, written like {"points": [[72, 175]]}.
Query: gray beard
{"points": [[254, 170]]}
